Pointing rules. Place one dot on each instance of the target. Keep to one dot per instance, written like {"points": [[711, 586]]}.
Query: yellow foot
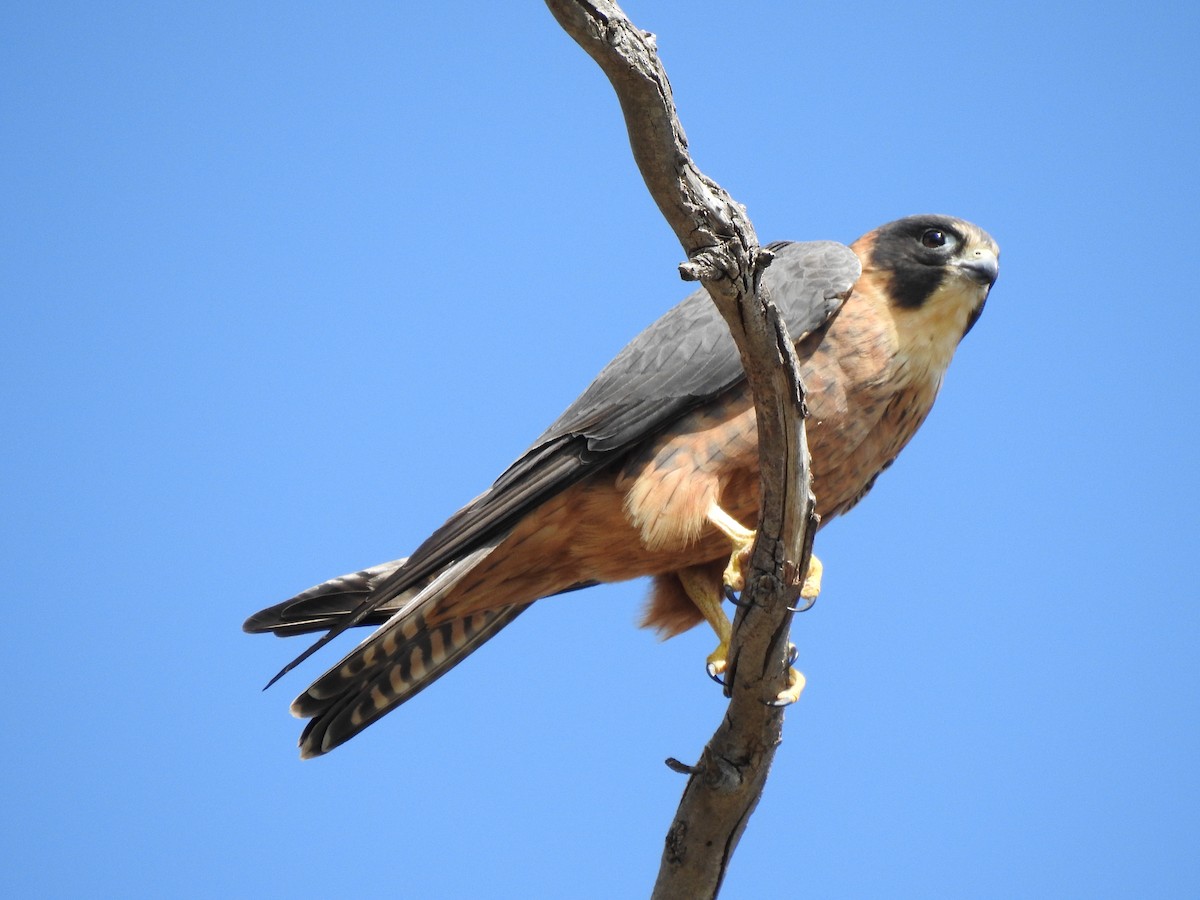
{"points": [[706, 594], [792, 692], [717, 662], [734, 575], [812, 581], [743, 539]]}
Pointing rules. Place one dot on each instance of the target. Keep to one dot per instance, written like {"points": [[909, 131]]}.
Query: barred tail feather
{"points": [[394, 669], [395, 663]]}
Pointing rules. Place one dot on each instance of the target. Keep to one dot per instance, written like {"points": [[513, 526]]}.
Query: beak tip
{"points": [[984, 269]]}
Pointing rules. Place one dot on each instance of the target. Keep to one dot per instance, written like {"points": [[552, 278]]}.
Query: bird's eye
{"points": [[933, 238]]}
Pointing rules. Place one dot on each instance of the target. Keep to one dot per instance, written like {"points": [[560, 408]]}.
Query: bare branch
{"points": [[724, 255]]}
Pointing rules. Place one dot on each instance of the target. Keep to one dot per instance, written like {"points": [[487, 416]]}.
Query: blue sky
{"points": [[285, 284]]}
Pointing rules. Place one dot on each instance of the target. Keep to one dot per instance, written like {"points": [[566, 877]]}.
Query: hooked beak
{"points": [[982, 266]]}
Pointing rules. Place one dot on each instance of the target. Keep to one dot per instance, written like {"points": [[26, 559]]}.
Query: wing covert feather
{"points": [[688, 355]]}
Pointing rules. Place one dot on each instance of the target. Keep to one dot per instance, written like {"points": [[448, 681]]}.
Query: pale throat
{"points": [[928, 336]]}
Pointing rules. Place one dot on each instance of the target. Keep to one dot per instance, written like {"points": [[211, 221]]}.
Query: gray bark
{"points": [[724, 255]]}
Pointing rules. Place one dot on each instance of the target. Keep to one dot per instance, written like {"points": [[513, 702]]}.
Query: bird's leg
{"points": [[698, 582], [705, 591], [708, 599], [743, 540]]}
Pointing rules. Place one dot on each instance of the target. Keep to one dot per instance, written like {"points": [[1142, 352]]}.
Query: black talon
{"points": [[682, 768], [808, 604], [732, 596], [793, 655], [714, 676]]}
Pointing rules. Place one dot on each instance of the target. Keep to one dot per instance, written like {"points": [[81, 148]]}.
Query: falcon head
{"points": [[936, 270]]}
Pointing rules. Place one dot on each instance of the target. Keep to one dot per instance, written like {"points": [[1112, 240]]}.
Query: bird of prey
{"points": [[654, 470]]}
